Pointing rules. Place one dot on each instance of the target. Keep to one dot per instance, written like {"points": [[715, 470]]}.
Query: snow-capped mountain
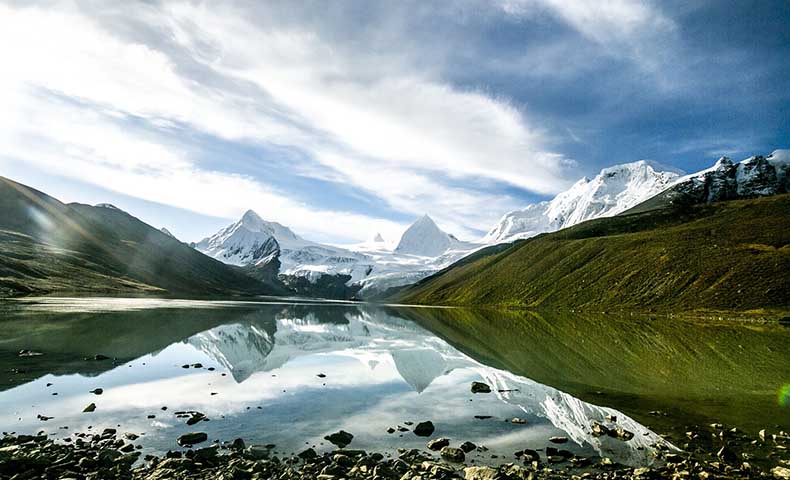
{"points": [[727, 180], [167, 232], [372, 266], [614, 190], [424, 238], [253, 241]]}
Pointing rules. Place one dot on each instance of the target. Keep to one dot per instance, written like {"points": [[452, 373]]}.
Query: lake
{"points": [[287, 373]]}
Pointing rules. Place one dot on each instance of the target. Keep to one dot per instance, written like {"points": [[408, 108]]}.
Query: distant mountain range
{"points": [[267, 257]]}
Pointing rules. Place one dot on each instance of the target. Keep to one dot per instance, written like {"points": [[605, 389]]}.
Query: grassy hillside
{"points": [[49, 247], [723, 256]]}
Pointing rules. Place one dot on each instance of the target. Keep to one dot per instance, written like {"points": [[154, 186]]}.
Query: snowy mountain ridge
{"points": [[614, 190]]}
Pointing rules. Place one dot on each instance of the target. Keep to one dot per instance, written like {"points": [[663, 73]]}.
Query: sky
{"points": [[347, 118]]}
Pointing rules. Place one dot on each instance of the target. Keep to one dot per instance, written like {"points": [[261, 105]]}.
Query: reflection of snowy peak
{"points": [[241, 348], [419, 367], [614, 190], [376, 338]]}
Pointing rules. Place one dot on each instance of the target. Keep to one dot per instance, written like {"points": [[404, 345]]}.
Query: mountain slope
{"points": [[612, 191], [728, 255], [47, 246]]}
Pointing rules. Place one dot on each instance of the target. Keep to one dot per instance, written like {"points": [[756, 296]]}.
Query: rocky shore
{"points": [[712, 452]]}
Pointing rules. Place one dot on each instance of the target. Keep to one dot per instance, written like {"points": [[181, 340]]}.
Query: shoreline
{"points": [[711, 452]]}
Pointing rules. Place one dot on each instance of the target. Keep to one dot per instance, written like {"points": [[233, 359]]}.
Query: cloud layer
{"points": [[339, 120]]}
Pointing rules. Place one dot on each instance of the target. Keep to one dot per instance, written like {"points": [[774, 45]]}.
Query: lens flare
{"points": [[783, 397]]}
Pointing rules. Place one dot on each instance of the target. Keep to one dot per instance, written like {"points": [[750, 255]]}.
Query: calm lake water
{"points": [[288, 373]]}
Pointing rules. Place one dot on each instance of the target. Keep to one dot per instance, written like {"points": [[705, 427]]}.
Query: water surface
{"points": [[289, 373]]}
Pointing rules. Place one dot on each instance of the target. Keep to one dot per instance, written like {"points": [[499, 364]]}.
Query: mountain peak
{"points": [[378, 238], [424, 238], [251, 217]]}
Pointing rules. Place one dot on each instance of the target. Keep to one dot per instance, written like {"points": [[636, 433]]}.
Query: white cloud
{"points": [[397, 137]]}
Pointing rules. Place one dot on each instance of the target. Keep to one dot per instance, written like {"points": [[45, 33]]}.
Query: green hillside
{"points": [[723, 256], [50, 247]]}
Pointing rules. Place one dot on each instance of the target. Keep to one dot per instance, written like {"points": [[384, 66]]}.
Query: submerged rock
{"points": [[480, 387], [192, 438], [438, 443], [424, 429], [340, 439]]}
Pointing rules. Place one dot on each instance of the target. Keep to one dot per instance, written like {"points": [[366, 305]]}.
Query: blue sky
{"points": [[343, 119]]}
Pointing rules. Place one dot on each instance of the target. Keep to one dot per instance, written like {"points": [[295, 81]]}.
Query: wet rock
{"points": [[452, 454], [390, 430], [308, 454], [558, 439], [611, 418], [530, 455], [482, 417], [621, 434], [192, 438], [644, 472], [321, 375], [781, 473], [424, 429], [599, 430], [195, 418], [238, 444], [97, 391], [480, 387], [518, 421], [480, 473], [468, 447], [90, 408], [438, 443], [340, 439], [726, 455]]}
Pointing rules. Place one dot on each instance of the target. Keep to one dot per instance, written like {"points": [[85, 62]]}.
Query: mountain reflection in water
{"points": [[382, 368]]}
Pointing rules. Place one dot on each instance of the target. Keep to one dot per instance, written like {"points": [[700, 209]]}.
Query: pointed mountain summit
{"points": [[378, 238], [424, 238]]}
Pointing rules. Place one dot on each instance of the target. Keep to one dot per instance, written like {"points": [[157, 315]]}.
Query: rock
{"points": [[643, 472], [781, 473], [237, 444], [340, 439], [480, 473], [558, 439], [621, 434], [761, 434], [321, 375], [468, 447], [611, 418], [599, 430], [195, 418], [438, 443], [452, 454], [308, 454], [530, 455], [424, 429], [479, 387], [97, 391], [257, 452], [192, 438], [726, 455], [89, 408], [519, 421]]}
